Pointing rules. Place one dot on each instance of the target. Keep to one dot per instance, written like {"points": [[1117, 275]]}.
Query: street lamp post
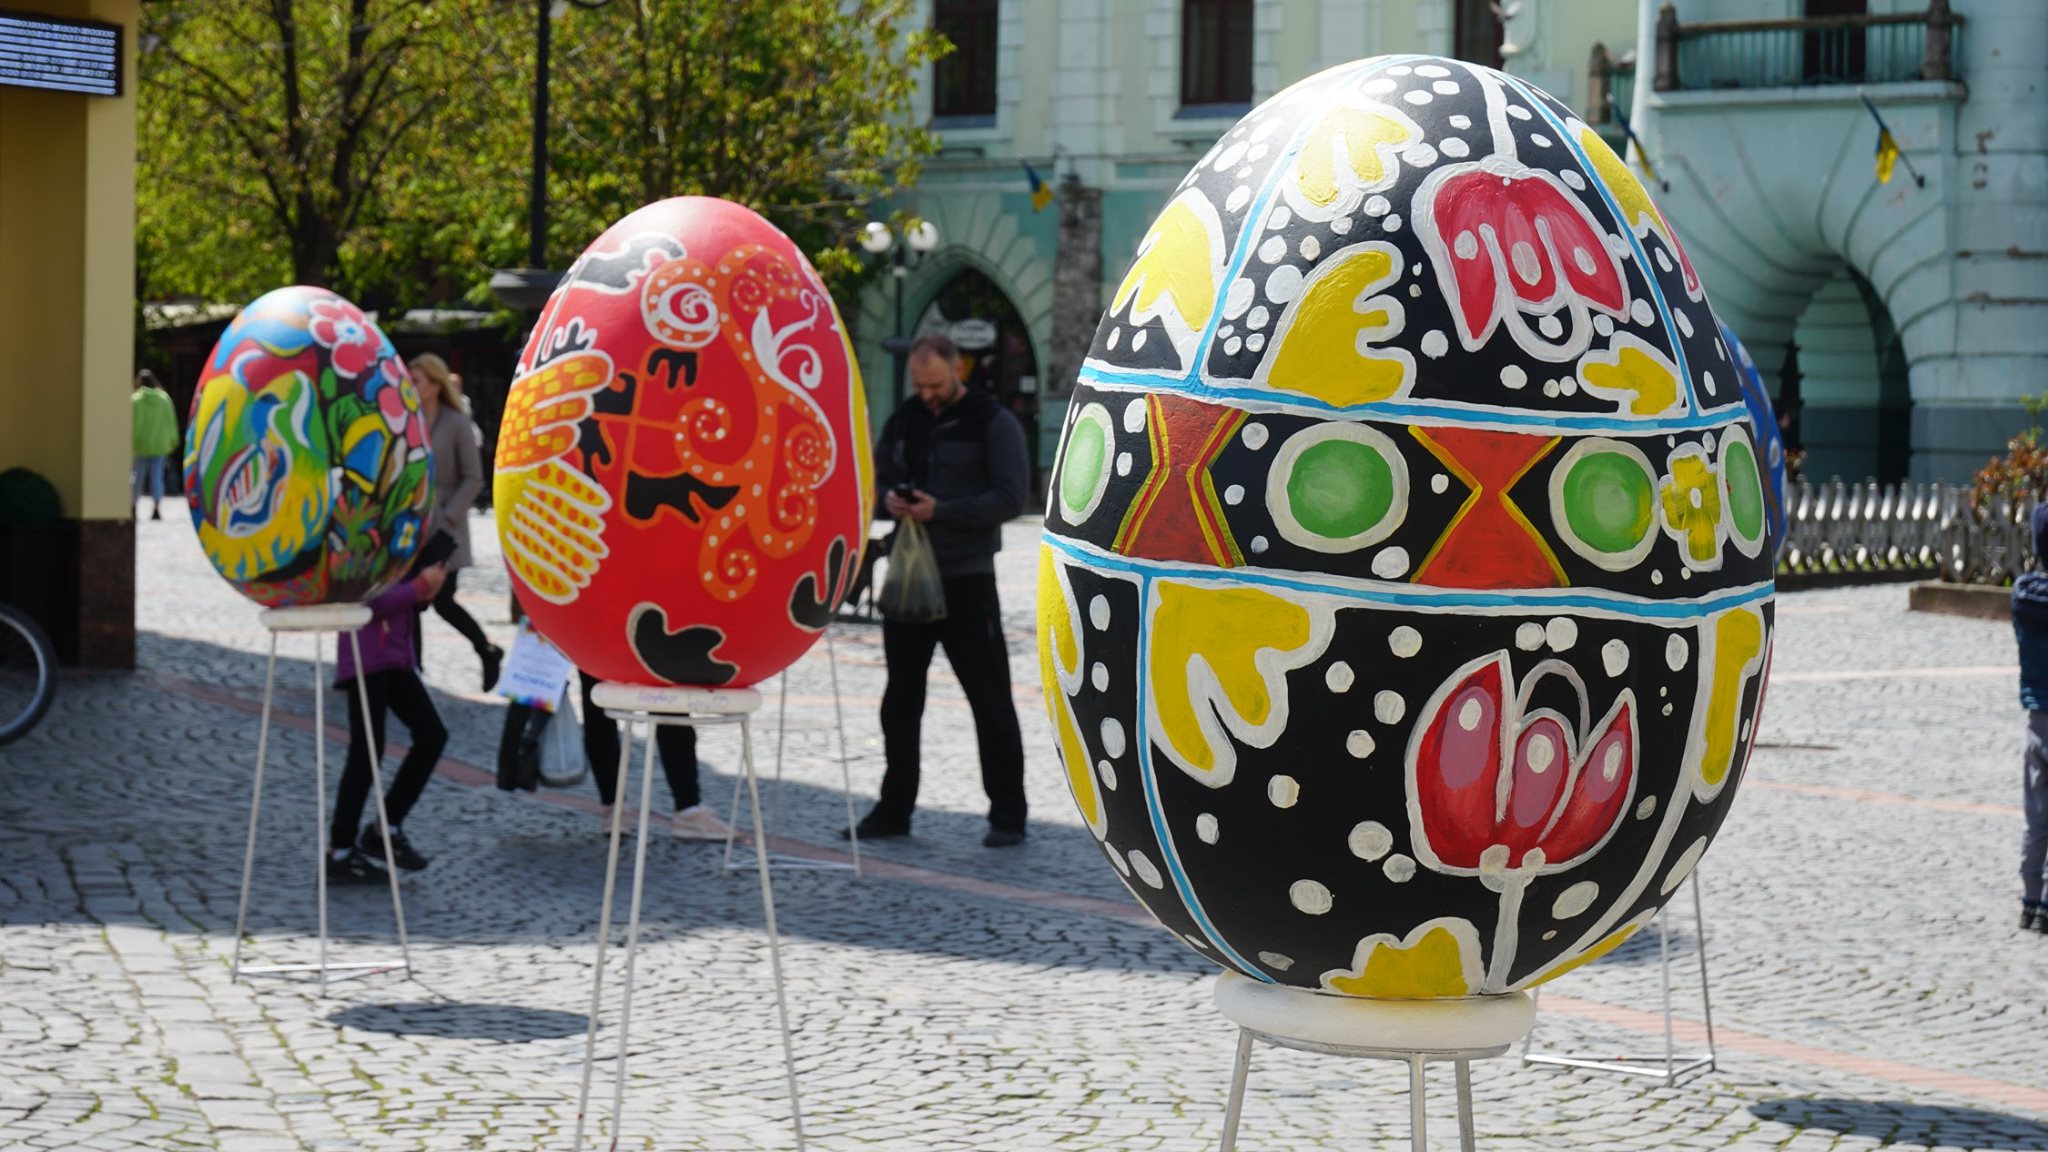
{"points": [[527, 289], [920, 238]]}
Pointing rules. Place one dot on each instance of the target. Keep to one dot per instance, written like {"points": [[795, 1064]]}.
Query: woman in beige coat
{"points": [[458, 477]]}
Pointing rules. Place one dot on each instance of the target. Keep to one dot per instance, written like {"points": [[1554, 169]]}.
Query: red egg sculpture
{"points": [[683, 478]]}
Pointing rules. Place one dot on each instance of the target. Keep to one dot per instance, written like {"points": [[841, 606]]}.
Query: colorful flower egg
{"points": [[305, 456], [683, 475], [1404, 603], [1766, 435]]}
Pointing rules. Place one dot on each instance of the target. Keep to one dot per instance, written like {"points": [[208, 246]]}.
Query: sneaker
{"points": [[402, 852], [1003, 838], [157, 513], [2029, 914], [874, 827], [700, 823], [354, 869], [494, 661]]}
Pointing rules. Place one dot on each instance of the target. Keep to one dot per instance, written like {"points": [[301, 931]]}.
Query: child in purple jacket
{"points": [[390, 643]]}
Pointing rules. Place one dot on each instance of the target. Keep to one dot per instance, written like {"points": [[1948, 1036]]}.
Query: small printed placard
{"points": [[536, 673], [62, 55]]}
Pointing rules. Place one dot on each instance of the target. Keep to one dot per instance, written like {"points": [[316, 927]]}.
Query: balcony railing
{"points": [[1888, 48]]}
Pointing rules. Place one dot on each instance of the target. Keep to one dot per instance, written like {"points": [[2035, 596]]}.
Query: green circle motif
{"points": [[1086, 466], [1745, 488], [1340, 489], [1609, 502]]}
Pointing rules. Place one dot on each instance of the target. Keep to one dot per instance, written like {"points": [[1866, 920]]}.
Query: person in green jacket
{"points": [[156, 436]]}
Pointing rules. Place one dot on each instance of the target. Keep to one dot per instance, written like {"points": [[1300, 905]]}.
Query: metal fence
{"points": [[1891, 530]]}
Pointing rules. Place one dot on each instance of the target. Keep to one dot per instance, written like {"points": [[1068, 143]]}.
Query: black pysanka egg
{"points": [[1405, 602]]}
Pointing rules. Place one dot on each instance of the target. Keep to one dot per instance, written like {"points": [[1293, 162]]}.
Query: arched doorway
{"points": [[995, 346], [1847, 385]]}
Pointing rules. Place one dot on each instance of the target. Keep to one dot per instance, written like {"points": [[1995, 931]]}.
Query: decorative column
{"points": [[1599, 109], [1667, 49], [1077, 286], [1939, 64]]}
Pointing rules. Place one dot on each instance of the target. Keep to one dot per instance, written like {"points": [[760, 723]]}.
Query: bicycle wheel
{"points": [[28, 674]]}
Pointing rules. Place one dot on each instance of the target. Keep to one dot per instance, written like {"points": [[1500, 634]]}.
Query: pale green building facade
{"points": [[1919, 314], [1090, 93], [1919, 307]]}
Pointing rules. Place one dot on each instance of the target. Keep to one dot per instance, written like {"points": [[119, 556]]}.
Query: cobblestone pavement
{"points": [[1869, 987]]}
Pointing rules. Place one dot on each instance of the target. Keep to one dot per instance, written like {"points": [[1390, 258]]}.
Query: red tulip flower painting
{"points": [[1500, 788]]}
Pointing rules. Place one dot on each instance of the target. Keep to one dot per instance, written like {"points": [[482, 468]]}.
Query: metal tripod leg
{"points": [[1664, 968], [845, 753], [1418, 1120], [1240, 1069], [1699, 923], [256, 809], [604, 931], [796, 1108], [320, 844], [1467, 1139], [633, 929], [376, 757]]}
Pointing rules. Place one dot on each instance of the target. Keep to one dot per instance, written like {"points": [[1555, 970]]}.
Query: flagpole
{"points": [[1885, 131], [1642, 153]]}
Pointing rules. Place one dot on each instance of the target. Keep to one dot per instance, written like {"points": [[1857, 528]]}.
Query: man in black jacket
{"points": [[955, 460]]}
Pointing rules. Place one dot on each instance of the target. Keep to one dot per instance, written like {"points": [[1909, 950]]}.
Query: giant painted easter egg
{"points": [[683, 476], [1403, 628], [305, 456], [1766, 436]]}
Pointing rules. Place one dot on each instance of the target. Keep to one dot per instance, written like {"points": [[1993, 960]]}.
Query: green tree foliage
{"points": [[796, 108], [331, 142], [381, 146]]}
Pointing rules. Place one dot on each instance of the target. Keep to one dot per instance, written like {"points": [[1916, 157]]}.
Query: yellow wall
{"points": [[67, 278]]}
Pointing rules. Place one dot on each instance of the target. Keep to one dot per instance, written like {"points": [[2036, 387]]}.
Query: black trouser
{"points": [[972, 634], [676, 743], [401, 693], [458, 617]]}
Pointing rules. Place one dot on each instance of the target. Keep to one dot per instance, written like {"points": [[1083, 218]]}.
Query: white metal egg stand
{"points": [[318, 619], [1671, 1064], [782, 859], [1413, 1032], [694, 708]]}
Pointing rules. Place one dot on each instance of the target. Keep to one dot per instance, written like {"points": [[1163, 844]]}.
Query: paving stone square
{"points": [[1869, 987]]}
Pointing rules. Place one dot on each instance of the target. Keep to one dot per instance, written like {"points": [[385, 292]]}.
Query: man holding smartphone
{"points": [[954, 460]]}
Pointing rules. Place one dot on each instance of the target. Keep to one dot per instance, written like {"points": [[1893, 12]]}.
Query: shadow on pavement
{"points": [[1897, 1121], [130, 805], [1643, 948], [458, 1020]]}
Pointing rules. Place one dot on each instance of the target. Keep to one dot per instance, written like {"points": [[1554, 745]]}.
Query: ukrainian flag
{"points": [[1887, 154], [1887, 145], [1041, 192]]}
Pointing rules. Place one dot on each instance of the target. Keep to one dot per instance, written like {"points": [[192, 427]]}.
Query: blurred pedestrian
{"points": [[458, 478], [390, 685], [954, 459], [677, 745], [155, 423], [2030, 626]]}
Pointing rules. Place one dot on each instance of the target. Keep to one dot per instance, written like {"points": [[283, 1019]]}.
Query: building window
{"points": [[1479, 34], [1215, 53], [1838, 54], [964, 80]]}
